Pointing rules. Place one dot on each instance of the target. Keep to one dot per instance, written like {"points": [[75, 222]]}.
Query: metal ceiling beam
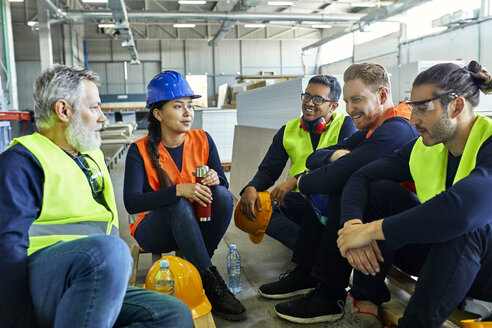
{"points": [[383, 13], [241, 6], [122, 25], [228, 16]]}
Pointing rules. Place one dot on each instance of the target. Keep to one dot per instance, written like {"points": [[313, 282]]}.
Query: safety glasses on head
{"points": [[93, 172], [423, 106], [317, 100]]}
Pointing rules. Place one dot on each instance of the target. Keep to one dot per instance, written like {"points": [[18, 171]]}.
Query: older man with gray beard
{"points": [[62, 262]]}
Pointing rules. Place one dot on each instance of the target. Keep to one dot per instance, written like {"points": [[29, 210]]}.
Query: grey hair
{"points": [[55, 83]]}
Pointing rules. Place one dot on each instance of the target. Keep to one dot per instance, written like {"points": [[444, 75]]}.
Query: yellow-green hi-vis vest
{"points": [[428, 165], [68, 210], [297, 142]]}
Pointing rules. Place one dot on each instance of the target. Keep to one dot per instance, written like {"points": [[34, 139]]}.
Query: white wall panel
{"points": [[460, 44], [261, 54], [116, 78], [26, 44], [148, 49], [376, 48], [227, 57], [27, 72], [485, 54], [198, 57], [150, 70], [119, 52], [99, 50], [336, 68], [172, 55]]}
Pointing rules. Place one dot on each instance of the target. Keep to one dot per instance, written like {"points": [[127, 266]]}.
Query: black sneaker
{"points": [[311, 308], [224, 303], [291, 283]]}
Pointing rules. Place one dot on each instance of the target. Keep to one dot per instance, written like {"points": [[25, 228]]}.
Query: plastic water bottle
{"points": [[234, 270], [164, 279]]}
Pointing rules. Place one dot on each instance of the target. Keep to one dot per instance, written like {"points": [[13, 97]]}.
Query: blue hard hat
{"points": [[168, 85]]}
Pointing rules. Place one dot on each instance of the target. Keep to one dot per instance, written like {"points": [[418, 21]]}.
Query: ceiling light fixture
{"points": [[105, 25], [183, 25], [280, 3], [95, 1], [192, 2], [363, 4], [32, 23], [321, 26], [254, 25], [16, 0]]}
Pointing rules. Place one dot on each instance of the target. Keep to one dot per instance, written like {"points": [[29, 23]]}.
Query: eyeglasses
{"points": [[426, 105], [93, 173], [317, 100]]}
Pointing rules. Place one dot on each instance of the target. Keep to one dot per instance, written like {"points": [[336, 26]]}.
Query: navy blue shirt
{"points": [[276, 157], [329, 178], [139, 196], [461, 208], [21, 199]]}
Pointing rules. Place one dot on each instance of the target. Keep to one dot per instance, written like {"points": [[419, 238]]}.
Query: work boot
{"points": [[353, 318], [291, 283], [224, 303], [315, 306]]}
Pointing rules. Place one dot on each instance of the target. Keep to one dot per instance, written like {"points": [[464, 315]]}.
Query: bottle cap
{"points": [[232, 247], [164, 264], [201, 171]]}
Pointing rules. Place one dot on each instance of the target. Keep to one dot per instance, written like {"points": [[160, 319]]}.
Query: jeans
{"points": [[286, 219], [447, 271], [176, 227], [83, 283]]}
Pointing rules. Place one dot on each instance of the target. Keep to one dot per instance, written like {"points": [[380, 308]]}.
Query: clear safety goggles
{"points": [[423, 106]]}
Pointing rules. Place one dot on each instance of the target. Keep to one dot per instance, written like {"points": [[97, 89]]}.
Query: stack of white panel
{"points": [[274, 105], [219, 123]]}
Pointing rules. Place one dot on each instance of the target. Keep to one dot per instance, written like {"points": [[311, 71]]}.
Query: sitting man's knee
{"points": [[111, 251]]}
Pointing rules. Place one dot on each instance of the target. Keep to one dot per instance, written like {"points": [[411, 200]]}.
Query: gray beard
{"points": [[80, 137]]}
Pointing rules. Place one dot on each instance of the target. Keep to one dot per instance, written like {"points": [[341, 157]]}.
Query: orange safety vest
{"points": [[195, 153], [400, 110]]}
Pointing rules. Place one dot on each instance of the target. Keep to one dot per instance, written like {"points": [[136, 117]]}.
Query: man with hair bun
{"points": [[443, 234], [62, 262]]}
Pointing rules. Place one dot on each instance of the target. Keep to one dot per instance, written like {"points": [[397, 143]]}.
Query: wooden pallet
{"points": [[394, 309]]}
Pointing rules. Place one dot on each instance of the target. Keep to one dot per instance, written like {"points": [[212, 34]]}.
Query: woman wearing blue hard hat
{"points": [[161, 187]]}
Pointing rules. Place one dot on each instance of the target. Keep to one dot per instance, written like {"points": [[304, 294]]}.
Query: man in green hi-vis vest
{"points": [[318, 127], [443, 234], [62, 262]]}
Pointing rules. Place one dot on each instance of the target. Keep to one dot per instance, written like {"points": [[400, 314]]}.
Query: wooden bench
{"points": [[205, 321], [394, 309]]}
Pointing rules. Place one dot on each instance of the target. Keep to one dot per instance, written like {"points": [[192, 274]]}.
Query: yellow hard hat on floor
{"points": [[188, 285], [472, 323], [256, 229]]}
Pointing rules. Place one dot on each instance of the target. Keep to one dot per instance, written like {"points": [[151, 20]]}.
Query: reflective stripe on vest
{"points": [[80, 228], [195, 153], [65, 206], [400, 110], [297, 142], [428, 165]]}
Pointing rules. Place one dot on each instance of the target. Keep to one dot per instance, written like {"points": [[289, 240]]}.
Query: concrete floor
{"points": [[261, 263]]}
